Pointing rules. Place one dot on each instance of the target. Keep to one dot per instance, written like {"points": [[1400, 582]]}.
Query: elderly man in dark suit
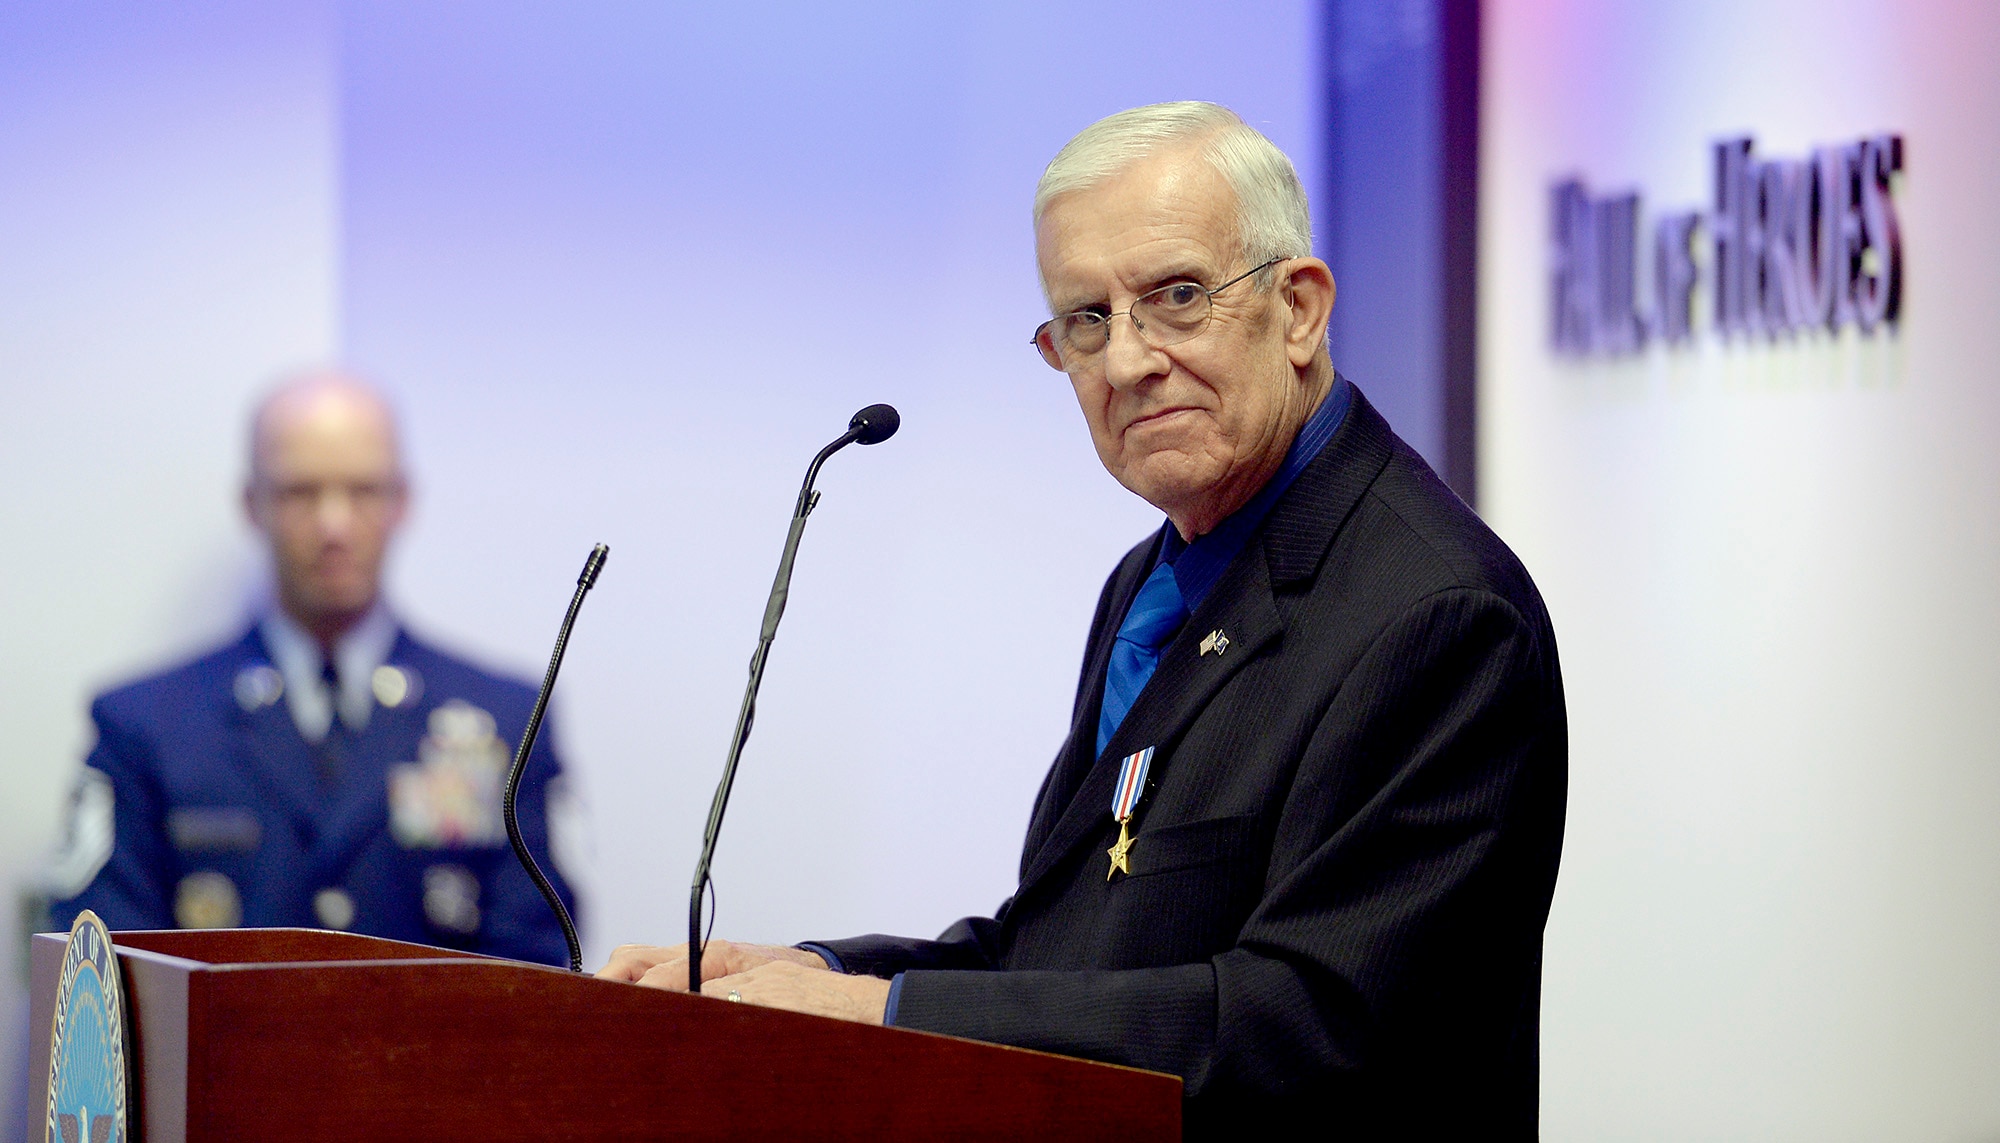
{"points": [[1299, 845]]}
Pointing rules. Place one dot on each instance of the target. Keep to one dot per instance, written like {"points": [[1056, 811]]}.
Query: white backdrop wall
{"points": [[167, 241], [624, 267], [1771, 568]]}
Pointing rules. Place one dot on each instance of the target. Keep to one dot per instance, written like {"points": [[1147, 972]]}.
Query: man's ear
{"points": [[250, 506], [399, 508], [1308, 290]]}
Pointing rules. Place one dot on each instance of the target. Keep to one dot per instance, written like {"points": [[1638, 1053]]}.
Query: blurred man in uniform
{"points": [[326, 769]]}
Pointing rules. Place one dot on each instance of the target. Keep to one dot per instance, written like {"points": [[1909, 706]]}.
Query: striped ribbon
{"points": [[1131, 781]]}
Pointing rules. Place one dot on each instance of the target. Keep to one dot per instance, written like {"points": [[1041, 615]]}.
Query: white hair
{"points": [[1272, 219]]}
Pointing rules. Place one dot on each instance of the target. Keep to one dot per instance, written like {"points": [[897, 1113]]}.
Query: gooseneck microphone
{"points": [[872, 425], [584, 582]]}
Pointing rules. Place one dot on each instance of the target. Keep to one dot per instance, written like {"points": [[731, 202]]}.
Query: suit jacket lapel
{"points": [[1079, 750], [1241, 605], [279, 760], [1312, 511], [358, 808], [270, 747]]}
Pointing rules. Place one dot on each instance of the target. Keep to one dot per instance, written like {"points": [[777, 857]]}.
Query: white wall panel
{"points": [[167, 243], [1771, 568]]}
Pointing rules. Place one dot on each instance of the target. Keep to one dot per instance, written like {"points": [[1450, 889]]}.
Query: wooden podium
{"points": [[298, 1034]]}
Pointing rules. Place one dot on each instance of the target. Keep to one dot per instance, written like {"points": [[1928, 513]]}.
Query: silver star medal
{"points": [[1124, 800]]}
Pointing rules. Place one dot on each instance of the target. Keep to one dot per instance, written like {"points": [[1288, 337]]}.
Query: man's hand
{"points": [[657, 966], [797, 988], [770, 975]]}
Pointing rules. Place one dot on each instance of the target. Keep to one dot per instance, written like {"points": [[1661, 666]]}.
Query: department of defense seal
{"points": [[88, 1064]]}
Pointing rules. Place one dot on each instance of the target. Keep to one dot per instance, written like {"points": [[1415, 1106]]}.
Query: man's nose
{"points": [[335, 511], [1129, 359]]}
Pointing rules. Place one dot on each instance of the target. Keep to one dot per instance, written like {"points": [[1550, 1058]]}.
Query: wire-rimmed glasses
{"points": [[1169, 315]]}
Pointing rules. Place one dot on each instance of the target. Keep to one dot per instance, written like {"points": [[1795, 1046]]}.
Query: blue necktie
{"points": [[1156, 613], [332, 753]]}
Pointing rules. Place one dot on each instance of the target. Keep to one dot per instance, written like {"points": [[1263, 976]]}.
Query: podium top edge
{"points": [[252, 947]]}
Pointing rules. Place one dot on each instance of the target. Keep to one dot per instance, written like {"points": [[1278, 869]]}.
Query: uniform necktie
{"points": [[332, 748], [1156, 613]]}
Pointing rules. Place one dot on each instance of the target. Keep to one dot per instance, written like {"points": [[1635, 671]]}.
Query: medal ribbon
{"points": [[1131, 782]]}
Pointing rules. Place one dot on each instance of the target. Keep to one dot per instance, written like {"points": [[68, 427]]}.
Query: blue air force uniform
{"points": [[209, 801]]}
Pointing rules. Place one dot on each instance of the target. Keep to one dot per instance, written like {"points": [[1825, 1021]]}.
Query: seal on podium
{"points": [[88, 1064]]}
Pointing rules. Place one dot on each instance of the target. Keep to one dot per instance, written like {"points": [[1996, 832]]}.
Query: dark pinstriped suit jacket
{"points": [[1346, 847]]}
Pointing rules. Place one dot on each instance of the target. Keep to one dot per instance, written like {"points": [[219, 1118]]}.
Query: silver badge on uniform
{"points": [[450, 796], [258, 687], [451, 898], [334, 907], [396, 686], [207, 900]]}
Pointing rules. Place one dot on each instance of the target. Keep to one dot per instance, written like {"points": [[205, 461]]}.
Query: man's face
{"points": [[328, 494], [1193, 428]]}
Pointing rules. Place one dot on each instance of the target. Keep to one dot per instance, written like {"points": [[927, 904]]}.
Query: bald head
{"points": [[325, 404], [326, 490]]}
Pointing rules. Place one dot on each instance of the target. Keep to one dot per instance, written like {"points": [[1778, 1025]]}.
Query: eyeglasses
{"points": [[1167, 316], [302, 498]]}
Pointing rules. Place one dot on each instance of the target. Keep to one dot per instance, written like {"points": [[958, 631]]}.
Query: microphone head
{"points": [[592, 566], [877, 424]]}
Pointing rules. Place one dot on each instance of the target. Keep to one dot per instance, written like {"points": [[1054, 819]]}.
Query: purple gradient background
{"points": [[623, 267]]}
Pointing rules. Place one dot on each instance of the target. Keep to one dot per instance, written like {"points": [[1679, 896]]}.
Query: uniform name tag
{"points": [[211, 829]]}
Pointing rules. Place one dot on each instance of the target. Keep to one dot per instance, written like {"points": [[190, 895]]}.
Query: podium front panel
{"points": [[303, 1035]]}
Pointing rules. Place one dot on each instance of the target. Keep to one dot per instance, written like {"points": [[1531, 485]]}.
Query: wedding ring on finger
{"points": [[735, 997]]}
